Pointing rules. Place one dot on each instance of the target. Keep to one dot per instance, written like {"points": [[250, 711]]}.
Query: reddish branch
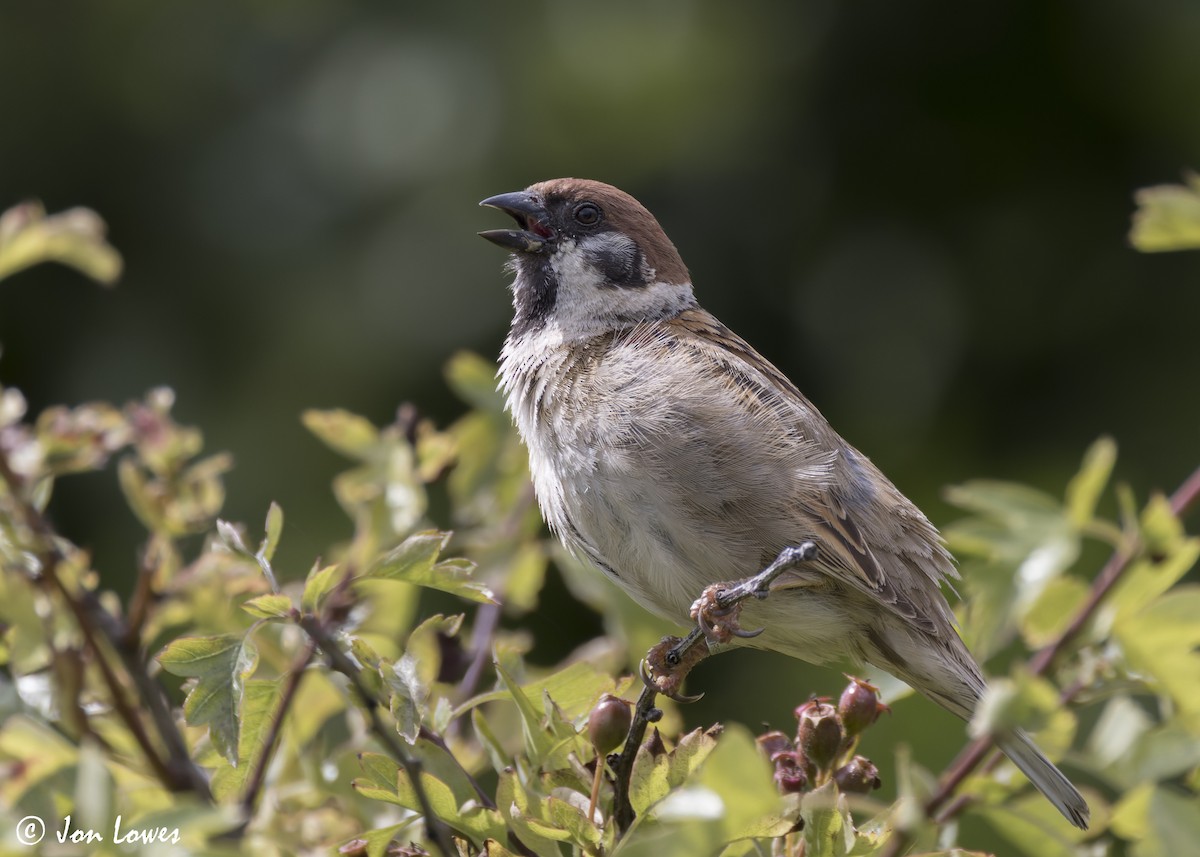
{"points": [[1182, 500]]}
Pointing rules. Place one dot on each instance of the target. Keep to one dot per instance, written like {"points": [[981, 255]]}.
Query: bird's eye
{"points": [[587, 213]]}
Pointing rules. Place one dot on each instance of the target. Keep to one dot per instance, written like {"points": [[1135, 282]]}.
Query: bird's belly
{"points": [[633, 526]]}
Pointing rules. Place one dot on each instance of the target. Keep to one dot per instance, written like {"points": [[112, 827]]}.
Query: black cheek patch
{"points": [[621, 265]]}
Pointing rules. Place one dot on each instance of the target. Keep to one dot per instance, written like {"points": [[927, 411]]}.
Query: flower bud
{"points": [[773, 742], [858, 776], [859, 706], [789, 772], [819, 734], [608, 724]]}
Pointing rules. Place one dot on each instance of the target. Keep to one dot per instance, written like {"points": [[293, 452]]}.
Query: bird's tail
{"points": [[1048, 779]]}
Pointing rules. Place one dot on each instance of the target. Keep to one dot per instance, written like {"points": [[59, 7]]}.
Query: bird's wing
{"points": [[903, 564]]}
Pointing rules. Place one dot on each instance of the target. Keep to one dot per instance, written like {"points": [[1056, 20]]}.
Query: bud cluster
{"points": [[826, 737]]}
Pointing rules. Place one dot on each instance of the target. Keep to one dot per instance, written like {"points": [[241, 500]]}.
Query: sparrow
{"points": [[671, 455]]}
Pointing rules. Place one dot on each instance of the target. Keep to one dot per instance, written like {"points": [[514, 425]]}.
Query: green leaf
{"points": [[1033, 826], [320, 582], [473, 379], [650, 780], [827, 828], [689, 754], [74, 237], [1167, 218], [538, 742], [342, 431], [574, 689], [407, 698], [220, 666], [274, 528], [40, 750], [1053, 611], [523, 812], [259, 702], [1170, 826], [1161, 641], [269, 606], [414, 561], [1084, 490], [737, 772]]}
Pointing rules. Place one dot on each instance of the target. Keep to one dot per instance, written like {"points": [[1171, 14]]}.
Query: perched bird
{"points": [[670, 454]]}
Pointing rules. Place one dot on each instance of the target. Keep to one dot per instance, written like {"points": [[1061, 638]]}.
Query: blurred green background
{"points": [[918, 210]]}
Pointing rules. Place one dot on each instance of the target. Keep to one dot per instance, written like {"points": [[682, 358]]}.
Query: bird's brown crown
{"points": [[625, 215]]}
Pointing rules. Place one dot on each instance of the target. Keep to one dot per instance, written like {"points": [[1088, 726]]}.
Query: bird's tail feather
{"points": [[1048, 779]]}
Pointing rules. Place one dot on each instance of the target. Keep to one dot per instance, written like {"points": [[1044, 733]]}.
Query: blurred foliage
{"points": [[377, 705], [1168, 217]]}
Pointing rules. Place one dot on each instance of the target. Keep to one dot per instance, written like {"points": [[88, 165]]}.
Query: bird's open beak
{"points": [[527, 209]]}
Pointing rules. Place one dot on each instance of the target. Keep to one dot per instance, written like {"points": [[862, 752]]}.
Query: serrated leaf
{"points": [[689, 754], [572, 818], [274, 528], [408, 696], [269, 606], [1085, 488], [737, 771], [320, 582], [1167, 218], [220, 666], [415, 561], [259, 702], [649, 781], [342, 431]]}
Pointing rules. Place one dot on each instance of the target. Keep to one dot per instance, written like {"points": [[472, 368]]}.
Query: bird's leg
{"points": [[718, 608], [666, 665]]}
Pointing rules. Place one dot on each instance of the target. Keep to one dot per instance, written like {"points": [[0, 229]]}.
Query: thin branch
{"points": [[257, 776], [386, 734], [1181, 501], [176, 772]]}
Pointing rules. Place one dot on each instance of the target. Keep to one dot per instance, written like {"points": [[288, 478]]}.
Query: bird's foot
{"points": [[667, 664], [718, 609]]}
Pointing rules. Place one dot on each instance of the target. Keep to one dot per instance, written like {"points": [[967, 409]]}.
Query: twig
{"points": [[176, 772], [258, 774], [338, 660], [487, 618], [644, 714], [1181, 501]]}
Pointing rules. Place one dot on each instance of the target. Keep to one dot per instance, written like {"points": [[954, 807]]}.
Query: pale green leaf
{"points": [[649, 781], [274, 528], [408, 695], [75, 237], [689, 754], [259, 702], [1085, 488], [1053, 610], [827, 828], [342, 431], [269, 606], [415, 561], [473, 379], [1167, 218], [1161, 641], [523, 813], [220, 666], [320, 582], [737, 772]]}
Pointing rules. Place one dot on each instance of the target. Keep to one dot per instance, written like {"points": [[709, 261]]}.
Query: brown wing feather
{"points": [[909, 542]]}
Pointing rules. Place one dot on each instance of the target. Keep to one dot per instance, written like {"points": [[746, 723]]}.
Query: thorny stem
{"points": [[258, 774], [338, 660], [96, 623], [1181, 501]]}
